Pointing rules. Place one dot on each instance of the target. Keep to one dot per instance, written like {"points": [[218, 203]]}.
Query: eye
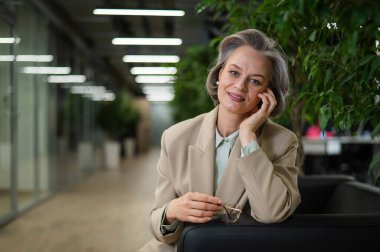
{"points": [[234, 73], [254, 82]]}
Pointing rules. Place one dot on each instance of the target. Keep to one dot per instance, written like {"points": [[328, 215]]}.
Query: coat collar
{"points": [[207, 131]]}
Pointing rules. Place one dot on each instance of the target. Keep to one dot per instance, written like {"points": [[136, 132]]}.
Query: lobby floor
{"points": [[107, 212]]}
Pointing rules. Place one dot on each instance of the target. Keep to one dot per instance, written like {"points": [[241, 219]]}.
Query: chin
{"points": [[236, 109]]}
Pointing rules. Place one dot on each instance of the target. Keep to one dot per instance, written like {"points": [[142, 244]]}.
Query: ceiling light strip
{"points": [[139, 12], [27, 58], [151, 58], [160, 98], [9, 40], [153, 70], [158, 79], [146, 41], [149, 91], [66, 79], [46, 70]]}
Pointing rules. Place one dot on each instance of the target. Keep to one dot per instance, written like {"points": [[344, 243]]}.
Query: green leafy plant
{"points": [[118, 118], [333, 53], [191, 97]]}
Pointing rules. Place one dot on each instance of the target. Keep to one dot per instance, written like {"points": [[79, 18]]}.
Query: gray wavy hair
{"points": [[279, 82]]}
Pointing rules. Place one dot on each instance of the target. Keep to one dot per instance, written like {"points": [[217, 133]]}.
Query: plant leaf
{"points": [[324, 116], [327, 77], [347, 78], [312, 36], [376, 131], [374, 162], [366, 59], [302, 95]]}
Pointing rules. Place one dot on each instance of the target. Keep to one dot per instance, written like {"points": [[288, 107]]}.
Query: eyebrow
{"points": [[259, 75]]}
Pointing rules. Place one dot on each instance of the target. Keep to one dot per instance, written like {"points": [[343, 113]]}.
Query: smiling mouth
{"points": [[236, 97]]}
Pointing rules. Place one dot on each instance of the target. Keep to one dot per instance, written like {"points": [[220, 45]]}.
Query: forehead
{"points": [[251, 59]]}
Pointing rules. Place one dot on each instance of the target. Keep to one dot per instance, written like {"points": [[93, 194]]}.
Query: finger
{"points": [[271, 95], [272, 102], [265, 101], [194, 215], [204, 198], [199, 213], [270, 91], [193, 219], [204, 206]]}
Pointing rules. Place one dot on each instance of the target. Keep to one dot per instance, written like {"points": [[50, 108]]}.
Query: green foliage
{"points": [[334, 61], [375, 161], [333, 69], [118, 118], [191, 97]]}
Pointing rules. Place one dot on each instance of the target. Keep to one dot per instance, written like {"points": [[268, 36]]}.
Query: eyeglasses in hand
{"points": [[228, 214]]}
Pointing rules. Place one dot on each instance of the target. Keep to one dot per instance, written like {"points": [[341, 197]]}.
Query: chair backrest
{"points": [[354, 197], [316, 191]]}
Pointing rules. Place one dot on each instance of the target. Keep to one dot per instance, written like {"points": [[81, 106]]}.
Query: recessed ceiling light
{"points": [[27, 58], [153, 70], [151, 58], [46, 70], [66, 79], [9, 40], [158, 90], [108, 96], [139, 12], [160, 97], [147, 41], [88, 89], [155, 79], [95, 93]]}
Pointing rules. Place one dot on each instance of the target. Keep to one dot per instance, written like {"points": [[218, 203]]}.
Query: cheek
{"points": [[219, 92], [254, 99]]}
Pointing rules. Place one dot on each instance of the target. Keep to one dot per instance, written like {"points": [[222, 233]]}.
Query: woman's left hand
{"points": [[249, 126]]}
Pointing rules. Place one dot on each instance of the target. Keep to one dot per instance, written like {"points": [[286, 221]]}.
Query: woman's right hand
{"points": [[193, 207]]}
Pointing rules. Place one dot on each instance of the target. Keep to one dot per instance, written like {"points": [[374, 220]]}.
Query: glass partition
{"points": [[46, 133], [43, 114], [5, 121], [26, 109]]}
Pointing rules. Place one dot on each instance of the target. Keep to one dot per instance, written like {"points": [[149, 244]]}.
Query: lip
{"points": [[236, 97]]}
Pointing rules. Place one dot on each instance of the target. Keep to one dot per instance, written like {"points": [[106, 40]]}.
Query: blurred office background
{"points": [[50, 135], [70, 82]]}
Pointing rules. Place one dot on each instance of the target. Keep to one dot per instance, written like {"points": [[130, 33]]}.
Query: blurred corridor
{"points": [[108, 211]]}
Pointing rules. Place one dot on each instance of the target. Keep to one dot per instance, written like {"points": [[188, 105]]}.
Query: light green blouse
{"points": [[223, 147]]}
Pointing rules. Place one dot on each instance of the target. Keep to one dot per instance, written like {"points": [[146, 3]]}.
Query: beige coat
{"points": [[263, 183]]}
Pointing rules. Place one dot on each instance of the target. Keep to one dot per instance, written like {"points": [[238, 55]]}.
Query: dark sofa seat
{"points": [[337, 213]]}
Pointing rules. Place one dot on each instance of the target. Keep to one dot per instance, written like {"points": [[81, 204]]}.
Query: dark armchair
{"points": [[337, 213]]}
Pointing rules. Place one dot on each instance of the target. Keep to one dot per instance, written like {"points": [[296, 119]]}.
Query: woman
{"points": [[234, 154]]}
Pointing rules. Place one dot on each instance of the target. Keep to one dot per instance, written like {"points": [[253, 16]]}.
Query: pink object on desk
{"points": [[313, 132]]}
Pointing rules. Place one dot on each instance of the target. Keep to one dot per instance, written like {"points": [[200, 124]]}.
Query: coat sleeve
{"points": [[271, 186], [164, 193]]}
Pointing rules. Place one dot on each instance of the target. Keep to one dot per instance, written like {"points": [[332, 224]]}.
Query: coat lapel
{"points": [[202, 156], [231, 186]]}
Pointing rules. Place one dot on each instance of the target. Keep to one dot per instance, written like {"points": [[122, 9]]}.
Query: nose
{"points": [[241, 84]]}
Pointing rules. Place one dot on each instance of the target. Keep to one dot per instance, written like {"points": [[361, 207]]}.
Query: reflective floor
{"points": [[108, 211]]}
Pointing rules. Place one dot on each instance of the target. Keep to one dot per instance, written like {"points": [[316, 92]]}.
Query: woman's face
{"points": [[246, 74]]}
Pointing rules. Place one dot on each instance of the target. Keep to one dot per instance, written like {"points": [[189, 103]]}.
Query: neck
{"points": [[227, 122]]}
